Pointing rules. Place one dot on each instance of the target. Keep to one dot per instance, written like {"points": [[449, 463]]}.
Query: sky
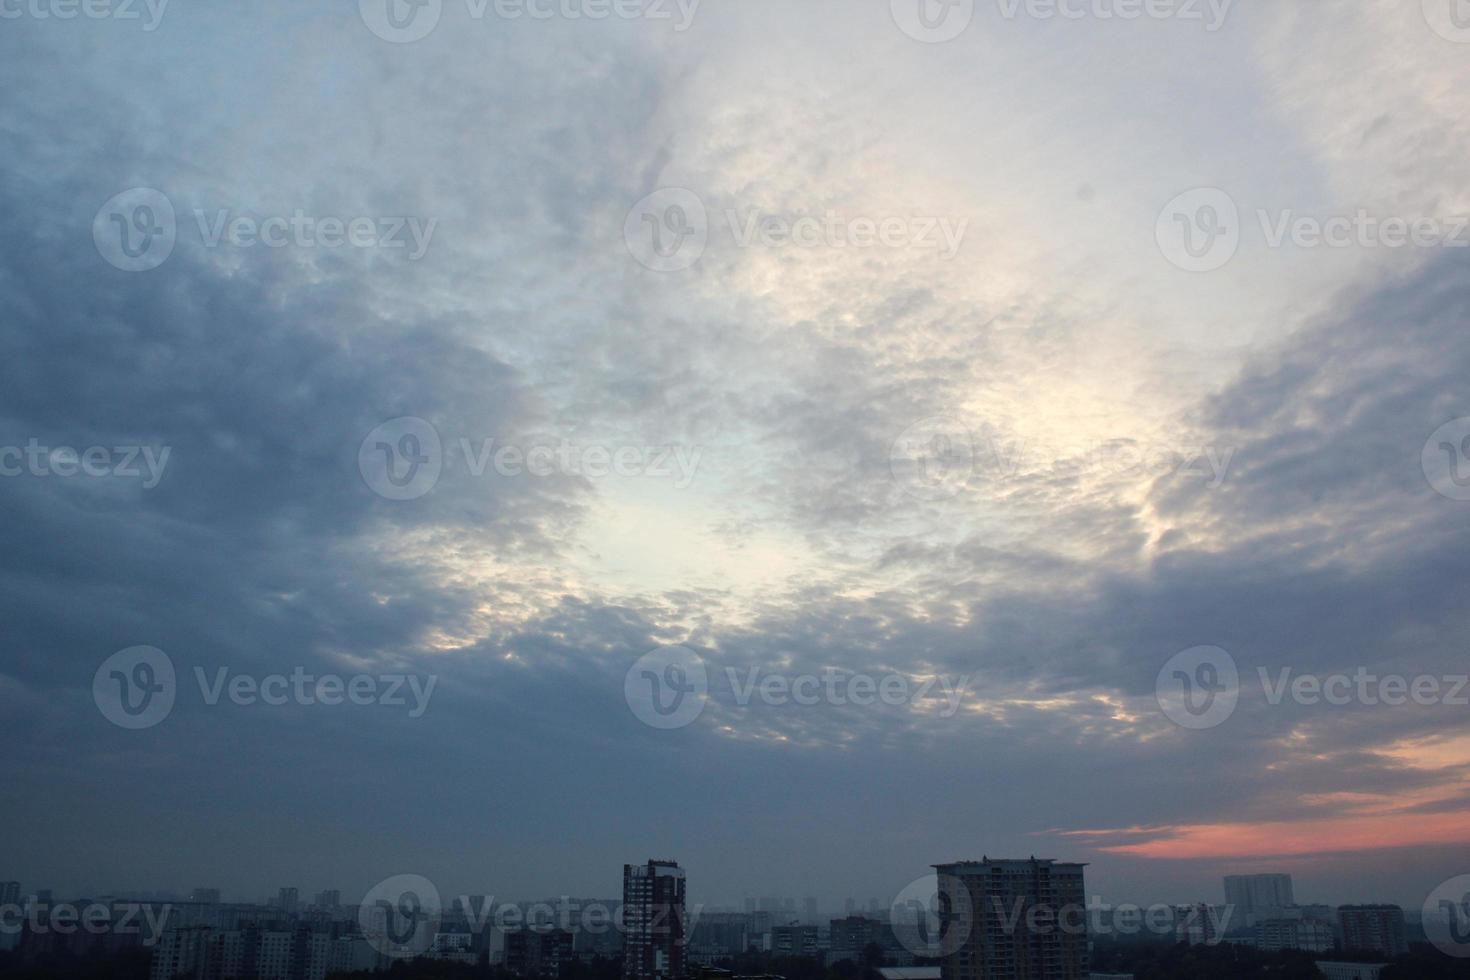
{"points": [[477, 354]]}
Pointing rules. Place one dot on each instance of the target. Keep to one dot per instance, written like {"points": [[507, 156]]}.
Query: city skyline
{"points": [[781, 907]]}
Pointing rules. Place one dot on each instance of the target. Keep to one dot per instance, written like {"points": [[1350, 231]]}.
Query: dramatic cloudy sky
{"points": [[1150, 459]]}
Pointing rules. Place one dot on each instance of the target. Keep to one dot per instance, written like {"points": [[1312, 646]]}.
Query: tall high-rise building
{"points": [[288, 899], [1255, 894], [9, 893], [329, 899], [1373, 928], [809, 910], [653, 921], [1012, 920]]}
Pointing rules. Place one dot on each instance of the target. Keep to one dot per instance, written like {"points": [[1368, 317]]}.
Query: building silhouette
{"points": [[1012, 920], [653, 921]]}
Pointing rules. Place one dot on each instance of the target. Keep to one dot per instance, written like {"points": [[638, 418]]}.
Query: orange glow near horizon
{"points": [[1300, 837], [1340, 821]]}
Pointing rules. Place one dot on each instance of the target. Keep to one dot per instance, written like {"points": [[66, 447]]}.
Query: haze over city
{"points": [[813, 441]]}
